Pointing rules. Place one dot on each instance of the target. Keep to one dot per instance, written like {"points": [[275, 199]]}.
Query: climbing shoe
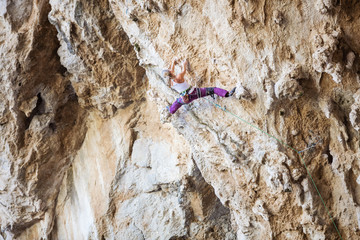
{"points": [[229, 94]]}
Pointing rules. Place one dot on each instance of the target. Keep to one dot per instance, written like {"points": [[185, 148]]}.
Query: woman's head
{"points": [[166, 73]]}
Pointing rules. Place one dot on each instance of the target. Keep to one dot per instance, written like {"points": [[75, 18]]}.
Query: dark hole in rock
{"points": [[330, 157], [38, 110], [52, 126]]}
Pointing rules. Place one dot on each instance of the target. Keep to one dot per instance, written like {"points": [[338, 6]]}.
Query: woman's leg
{"points": [[220, 92], [203, 92], [175, 106], [198, 93]]}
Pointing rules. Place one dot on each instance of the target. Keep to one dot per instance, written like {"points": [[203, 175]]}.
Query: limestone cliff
{"points": [[88, 150]]}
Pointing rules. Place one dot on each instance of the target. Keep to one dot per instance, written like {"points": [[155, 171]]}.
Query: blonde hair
{"points": [[166, 73]]}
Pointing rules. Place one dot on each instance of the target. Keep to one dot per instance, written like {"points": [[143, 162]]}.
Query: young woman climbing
{"points": [[186, 91]]}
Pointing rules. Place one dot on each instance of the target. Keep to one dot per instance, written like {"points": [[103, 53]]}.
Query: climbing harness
{"points": [[288, 146], [183, 93], [184, 96]]}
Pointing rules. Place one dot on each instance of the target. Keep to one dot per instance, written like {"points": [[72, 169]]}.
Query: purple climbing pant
{"points": [[195, 94]]}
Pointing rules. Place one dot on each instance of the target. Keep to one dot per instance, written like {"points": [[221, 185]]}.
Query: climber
{"points": [[187, 92]]}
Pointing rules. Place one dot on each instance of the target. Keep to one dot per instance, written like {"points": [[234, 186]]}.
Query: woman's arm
{"points": [[182, 74], [172, 68]]}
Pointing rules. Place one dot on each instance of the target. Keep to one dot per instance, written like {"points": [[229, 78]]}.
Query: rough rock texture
{"points": [[88, 150], [95, 49], [39, 110]]}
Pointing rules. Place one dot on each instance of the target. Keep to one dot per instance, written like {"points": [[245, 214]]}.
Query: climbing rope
{"points": [[288, 146]]}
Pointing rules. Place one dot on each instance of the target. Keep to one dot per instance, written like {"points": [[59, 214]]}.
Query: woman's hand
{"points": [[172, 67]]}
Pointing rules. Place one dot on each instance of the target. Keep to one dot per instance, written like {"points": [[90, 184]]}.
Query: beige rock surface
{"points": [[39, 111], [89, 152]]}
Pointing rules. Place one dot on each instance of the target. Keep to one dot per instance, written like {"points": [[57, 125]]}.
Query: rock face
{"points": [[39, 111], [88, 150]]}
